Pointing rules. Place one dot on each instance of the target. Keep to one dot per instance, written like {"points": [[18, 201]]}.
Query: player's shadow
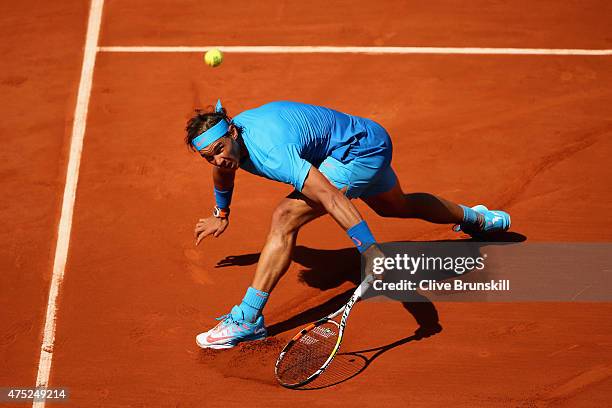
{"points": [[328, 269]]}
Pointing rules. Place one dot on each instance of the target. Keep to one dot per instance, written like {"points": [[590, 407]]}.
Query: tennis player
{"points": [[329, 158]]}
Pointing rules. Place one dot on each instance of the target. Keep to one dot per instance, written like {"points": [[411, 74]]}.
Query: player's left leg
{"points": [[424, 206], [371, 178], [385, 196]]}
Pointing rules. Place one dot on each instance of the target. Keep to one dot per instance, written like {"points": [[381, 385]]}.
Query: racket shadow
{"points": [[348, 365]]}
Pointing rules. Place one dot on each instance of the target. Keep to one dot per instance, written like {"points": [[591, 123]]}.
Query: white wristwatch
{"points": [[221, 212]]}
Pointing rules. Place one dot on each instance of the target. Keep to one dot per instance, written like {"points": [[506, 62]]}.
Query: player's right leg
{"points": [[290, 215], [245, 322]]}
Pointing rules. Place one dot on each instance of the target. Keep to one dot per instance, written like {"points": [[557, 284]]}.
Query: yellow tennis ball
{"points": [[213, 58]]}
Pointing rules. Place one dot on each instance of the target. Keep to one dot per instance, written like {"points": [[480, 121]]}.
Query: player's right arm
{"points": [[223, 179], [215, 225]]}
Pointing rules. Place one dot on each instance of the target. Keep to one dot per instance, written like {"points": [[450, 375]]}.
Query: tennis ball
{"points": [[213, 58]]}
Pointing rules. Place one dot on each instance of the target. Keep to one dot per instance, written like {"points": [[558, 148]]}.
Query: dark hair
{"points": [[202, 121]]}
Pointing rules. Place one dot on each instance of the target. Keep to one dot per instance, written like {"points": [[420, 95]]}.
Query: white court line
{"points": [[72, 176], [273, 49]]}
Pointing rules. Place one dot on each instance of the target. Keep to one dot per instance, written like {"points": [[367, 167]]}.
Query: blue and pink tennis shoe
{"points": [[231, 330], [491, 221]]}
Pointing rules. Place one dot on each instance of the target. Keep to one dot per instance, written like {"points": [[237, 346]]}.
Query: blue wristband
{"points": [[361, 236], [223, 198]]}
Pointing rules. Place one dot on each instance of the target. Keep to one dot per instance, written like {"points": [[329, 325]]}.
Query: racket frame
{"points": [[345, 310]]}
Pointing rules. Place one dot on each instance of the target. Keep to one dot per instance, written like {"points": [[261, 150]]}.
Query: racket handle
{"points": [[363, 287], [357, 294]]}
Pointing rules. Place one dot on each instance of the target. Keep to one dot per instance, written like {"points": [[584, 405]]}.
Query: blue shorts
{"points": [[369, 172]]}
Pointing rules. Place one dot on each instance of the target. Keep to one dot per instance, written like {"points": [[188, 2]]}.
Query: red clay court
{"points": [[527, 131]]}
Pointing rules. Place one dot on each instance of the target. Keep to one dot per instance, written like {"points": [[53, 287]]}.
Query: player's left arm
{"points": [[317, 188], [320, 190]]}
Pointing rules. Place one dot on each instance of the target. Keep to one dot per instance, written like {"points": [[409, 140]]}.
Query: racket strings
{"points": [[308, 354]]}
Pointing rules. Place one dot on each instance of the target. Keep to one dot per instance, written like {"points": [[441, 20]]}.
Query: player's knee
{"points": [[284, 220]]}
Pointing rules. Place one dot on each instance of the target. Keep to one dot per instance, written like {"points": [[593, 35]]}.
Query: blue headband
{"points": [[204, 139]]}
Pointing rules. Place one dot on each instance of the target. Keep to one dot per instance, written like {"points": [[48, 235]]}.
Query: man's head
{"points": [[224, 151]]}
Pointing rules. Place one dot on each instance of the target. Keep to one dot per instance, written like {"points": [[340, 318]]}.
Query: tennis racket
{"points": [[312, 350]]}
